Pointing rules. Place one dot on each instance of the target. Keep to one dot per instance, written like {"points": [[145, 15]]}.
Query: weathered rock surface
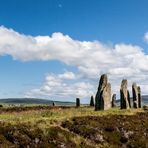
{"points": [[103, 95], [135, 95], [92, 101], [139, 97], [129, 100], [77, 102], [114, 104], [124, 101]]}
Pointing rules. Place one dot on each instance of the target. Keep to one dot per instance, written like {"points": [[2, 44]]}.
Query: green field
{"points": [[43, 126]]}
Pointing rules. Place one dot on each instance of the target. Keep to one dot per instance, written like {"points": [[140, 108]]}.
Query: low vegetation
{"points": [[43, 126]]}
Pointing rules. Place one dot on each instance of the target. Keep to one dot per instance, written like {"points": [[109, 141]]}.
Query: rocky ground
{"points": [[113, 131], [25, 136], [82, 129]]}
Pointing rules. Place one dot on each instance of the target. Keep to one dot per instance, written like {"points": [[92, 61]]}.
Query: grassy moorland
{"points": [[65, 127]]}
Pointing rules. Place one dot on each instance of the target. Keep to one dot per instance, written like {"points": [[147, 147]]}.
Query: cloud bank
{"points": [[91, 58], [63, 87]]}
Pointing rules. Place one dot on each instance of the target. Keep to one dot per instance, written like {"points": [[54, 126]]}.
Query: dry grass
{"points": [[55, 116], [47, 122]]}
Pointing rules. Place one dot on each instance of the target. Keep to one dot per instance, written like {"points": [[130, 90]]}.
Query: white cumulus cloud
{"points": [[91, 58], [57, 87]]}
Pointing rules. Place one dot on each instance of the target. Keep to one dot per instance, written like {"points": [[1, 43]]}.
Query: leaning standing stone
{"points": [[98, 99], [135, 95], [103, 95], [124, 102]]}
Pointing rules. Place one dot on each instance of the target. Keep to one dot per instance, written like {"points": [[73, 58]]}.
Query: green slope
{"points": [[33, 101]]}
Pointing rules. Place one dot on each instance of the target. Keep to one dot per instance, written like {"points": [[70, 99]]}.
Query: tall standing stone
{"points": [[135, 95], [114, 104], [139, 97], [92, 101], [124, 101], [103, 95], [77, 102], [129, 99]]}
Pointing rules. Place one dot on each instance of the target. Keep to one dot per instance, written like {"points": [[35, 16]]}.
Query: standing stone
{"points": [[92, 101], [135, 95], [124, 101], [129, 99], [107, 96], [114, 104], [53, 104], [139, 97], [77, 102], [103, 95]]}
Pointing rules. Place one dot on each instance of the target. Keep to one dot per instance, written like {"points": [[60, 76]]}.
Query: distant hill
{"points": [[144, 100], [33, 101], [30, 101]]}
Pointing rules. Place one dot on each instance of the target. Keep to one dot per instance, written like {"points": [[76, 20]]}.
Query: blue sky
{"points": [[114, 20], [117, 26]]}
